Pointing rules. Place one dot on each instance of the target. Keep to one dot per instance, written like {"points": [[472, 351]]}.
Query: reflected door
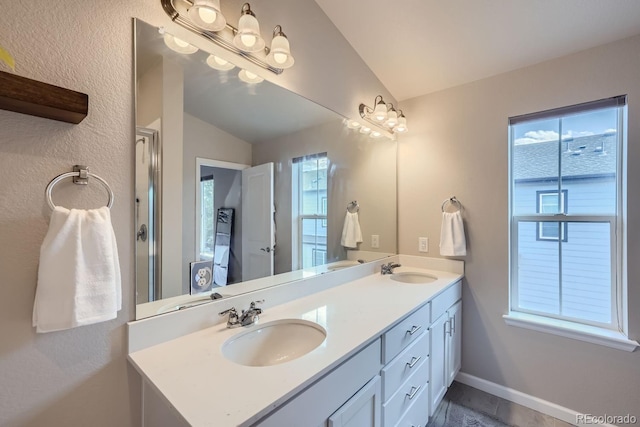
{"points": [[258, 235]]}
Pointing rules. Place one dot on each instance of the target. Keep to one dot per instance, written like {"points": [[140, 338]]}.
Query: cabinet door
{"points": [[439, 342], [454, 358], [362, 410]]}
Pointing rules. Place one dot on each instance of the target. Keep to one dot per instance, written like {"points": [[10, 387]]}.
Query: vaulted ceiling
{"points": [[417, 47]]}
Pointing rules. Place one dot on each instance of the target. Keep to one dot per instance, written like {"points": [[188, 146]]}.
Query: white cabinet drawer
{"points": [[394, 408], [418, 413], [404, 333], [446, 299], [405, 364]]}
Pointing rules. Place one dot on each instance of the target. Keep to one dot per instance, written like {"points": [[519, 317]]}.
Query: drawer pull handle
{"points": [[413, 362], [413, 392], [414, 329]]}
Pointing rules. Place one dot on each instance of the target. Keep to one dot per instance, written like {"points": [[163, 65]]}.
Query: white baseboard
{"points": [[515, 396]]}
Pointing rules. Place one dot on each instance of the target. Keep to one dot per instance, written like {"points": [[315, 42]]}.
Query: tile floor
{"points": [[495, 408]]}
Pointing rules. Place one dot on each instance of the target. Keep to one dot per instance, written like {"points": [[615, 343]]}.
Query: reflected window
{"points": [[207, 217], [309, 210]]}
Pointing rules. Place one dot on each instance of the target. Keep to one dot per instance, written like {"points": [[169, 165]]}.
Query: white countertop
{"points": [[206, 389]]}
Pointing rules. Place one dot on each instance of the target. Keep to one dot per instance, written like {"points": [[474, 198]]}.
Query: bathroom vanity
{"points": [[389, 347]]}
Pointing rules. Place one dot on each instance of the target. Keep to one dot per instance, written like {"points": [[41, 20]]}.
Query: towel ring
{"points": [[453, 201], [80, 176], [353, 207]]}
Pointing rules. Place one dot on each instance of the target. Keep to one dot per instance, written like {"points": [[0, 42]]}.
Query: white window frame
{"points": [[297, 240], [614, 334]]}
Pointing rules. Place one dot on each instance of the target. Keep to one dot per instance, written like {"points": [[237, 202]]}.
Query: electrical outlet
{"points": [[423, 244], [375, 241]]}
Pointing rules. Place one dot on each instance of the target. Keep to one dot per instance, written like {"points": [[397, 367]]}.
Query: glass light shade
{"points": [[392, 119], [249, 77], [280, 54], [206, 14], [218, 63], [380, 112], [375, 134], [402, 125], [248, 38], [365, 129], [178, 45]]}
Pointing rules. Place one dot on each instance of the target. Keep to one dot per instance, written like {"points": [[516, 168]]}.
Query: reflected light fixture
{"points": [[206, 14], [248, 38], [249, 77], [280, 53], [385, 115], [218, 63], [176, 44], [205, 18], [365, 129], [353, 124], [375, 134]]}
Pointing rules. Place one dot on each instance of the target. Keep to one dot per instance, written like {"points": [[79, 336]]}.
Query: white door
{"points": [[455, 342], [439, 343], [362, 410], [258, 233]]}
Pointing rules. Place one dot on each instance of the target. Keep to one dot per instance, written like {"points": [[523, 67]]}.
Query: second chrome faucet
{"points": [[246, 318]]}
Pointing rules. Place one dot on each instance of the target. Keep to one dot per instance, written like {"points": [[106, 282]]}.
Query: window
{"points": [[575, 150], [309, 210], [550, 203]]}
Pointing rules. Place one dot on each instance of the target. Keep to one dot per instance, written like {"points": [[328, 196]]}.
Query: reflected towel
{"points": [[79, 273], [452, 240], [351, 233]]}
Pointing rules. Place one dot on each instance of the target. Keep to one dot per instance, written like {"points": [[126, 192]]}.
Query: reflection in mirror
{"points": [[243, 186]]}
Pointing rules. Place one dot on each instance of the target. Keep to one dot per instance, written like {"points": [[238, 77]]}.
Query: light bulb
{"points": [[280, 58], [218, 63], [180, 42], [178, 45], [207, 15], [248, 40], [249, 77], [380, 112], [402, 125]]}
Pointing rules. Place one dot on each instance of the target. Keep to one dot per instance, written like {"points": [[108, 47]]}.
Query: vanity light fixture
{"points": [[204, 17], [206, 14], [249, 77], [218, 63], [176, 44], [385, 115]]}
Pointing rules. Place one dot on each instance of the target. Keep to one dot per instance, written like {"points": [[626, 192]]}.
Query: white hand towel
{"points": [[351, 233], [79, 273], [452, 240]]}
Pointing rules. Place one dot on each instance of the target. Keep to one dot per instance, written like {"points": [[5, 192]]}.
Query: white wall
{"points": [[360, 168], [457, 145], [80, 377]]}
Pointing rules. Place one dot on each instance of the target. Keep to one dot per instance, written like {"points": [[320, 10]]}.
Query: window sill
{"points": [[576, 331]]}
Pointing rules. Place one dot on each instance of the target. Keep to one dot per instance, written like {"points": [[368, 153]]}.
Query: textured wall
{"points": [[458, 146], [80, 377]]}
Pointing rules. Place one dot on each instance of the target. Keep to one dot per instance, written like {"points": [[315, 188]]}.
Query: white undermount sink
{"points": [[274, 342], [413, 277]]}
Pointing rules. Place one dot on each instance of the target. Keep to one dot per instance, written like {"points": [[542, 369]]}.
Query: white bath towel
{"points": [[351, 233], [79, 273], [452, 240]]}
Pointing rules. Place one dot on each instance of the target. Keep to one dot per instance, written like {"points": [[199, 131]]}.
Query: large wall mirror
{"points": [[240, 186]]}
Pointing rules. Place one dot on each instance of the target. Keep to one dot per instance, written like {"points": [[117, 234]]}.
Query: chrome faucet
{"points": [[246, 318], [388, 268]]}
